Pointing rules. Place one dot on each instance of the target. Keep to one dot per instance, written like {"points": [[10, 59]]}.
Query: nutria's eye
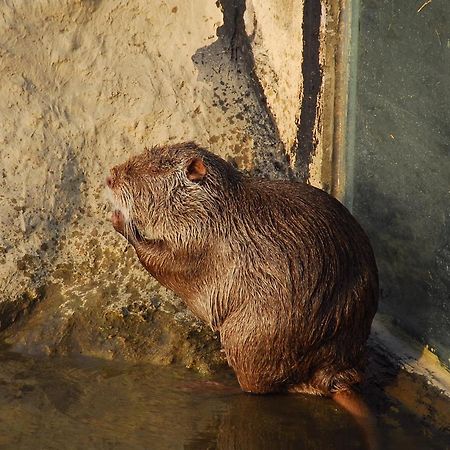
{"points": [[196, 170]]}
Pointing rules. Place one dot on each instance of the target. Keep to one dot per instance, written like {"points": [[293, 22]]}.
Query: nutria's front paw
{"points": [[118, 221]]}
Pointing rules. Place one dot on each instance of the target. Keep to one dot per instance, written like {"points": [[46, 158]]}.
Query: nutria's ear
{"points": [[196, 169]]}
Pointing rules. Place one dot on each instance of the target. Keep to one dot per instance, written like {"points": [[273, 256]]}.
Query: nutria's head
{"points": [[172, 192]]}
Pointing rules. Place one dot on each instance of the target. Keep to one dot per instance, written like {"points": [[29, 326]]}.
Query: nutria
{"points": [[280, 269]]}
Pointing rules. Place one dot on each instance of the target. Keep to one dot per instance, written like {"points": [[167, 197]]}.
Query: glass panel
{"points": [[399, 176]]}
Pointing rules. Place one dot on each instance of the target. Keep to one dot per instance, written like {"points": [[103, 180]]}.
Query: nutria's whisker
{"points": [[129, 206]]}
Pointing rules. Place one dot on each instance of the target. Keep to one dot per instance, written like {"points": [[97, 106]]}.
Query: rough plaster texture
{"points": [[276, 38], [86, 84]]}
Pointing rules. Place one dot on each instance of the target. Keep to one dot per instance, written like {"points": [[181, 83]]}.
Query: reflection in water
{"points": [[59, 403]]}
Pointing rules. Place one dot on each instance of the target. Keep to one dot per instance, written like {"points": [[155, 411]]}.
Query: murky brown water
{"points": [[58, 403]]}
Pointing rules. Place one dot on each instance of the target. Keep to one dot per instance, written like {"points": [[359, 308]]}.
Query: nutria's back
{"points": [[281, 269]]}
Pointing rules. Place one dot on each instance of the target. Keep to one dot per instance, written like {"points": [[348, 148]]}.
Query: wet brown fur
{"points": [[280, 269]]}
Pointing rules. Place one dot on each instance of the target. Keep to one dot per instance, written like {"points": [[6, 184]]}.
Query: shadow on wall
{"points": [[238, 83], [37, 267], [312, 84]]}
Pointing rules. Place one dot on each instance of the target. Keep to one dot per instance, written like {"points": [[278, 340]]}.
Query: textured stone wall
{"points": [[276, 40], [86, 84]]}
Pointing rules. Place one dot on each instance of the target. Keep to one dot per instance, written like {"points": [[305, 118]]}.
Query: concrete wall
{"points": [[86, 84]]}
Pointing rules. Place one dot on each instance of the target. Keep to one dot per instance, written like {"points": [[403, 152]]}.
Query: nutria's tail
{"points": [[355, 405], [339, 385]]}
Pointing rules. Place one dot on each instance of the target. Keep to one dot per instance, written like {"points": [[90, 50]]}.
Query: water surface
{"points": [[62, 403]]}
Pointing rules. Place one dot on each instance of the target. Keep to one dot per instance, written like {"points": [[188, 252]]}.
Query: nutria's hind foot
{"points": [[327, 381], [331, 379]]}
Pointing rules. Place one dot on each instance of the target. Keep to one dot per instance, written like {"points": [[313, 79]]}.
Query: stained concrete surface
{"points": [[87, 84]]}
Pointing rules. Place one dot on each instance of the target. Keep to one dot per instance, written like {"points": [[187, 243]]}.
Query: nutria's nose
{"points": [[109, 181]]}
